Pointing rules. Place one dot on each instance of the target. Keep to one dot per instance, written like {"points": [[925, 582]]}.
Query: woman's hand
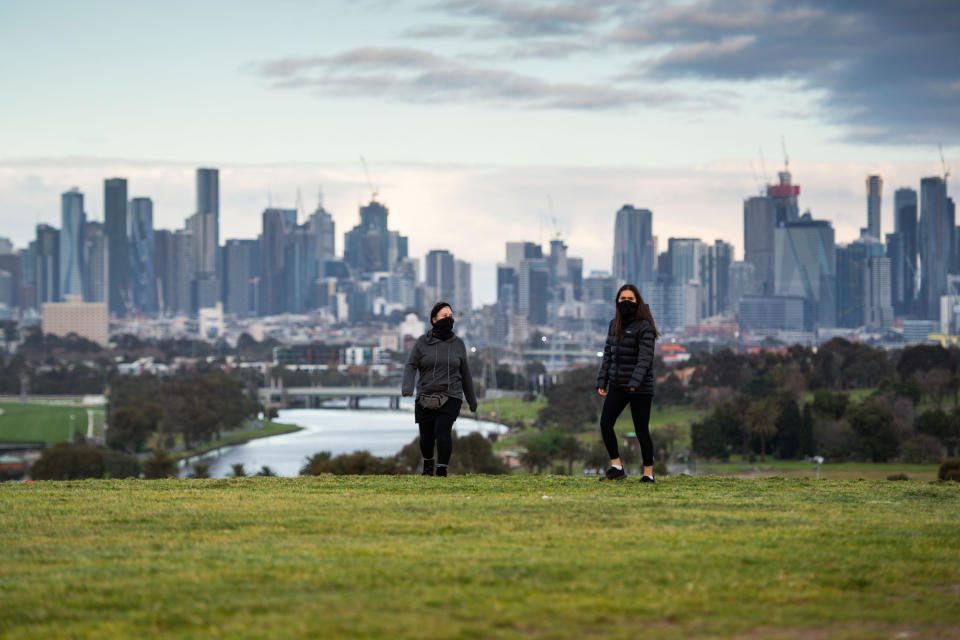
{"points": [[602, 392]]}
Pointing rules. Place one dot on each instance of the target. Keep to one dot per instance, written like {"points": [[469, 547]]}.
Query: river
{"points": [[382, 432]]}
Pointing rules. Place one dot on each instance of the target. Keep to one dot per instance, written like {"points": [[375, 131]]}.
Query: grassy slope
{"points": [[43, 422], [476, 557]]}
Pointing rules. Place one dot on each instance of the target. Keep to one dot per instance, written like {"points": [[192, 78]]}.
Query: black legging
{"points": [[436, 426], [615, 402]]}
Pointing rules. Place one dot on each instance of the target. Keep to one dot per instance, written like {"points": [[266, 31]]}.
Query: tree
{"points": [[130, 426], [708, 439], [830, 404], [667, 436], [315, 464], [573, 403], [790, 428], [266, 471], [356, 463], [120, 465], [237, 471], [200, 470], [670, 392], [569, 449], [539, 450], [761, 420], [873, 434], [472, 454]]}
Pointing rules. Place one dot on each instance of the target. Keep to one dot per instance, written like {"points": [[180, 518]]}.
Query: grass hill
{"points": [[479, 557]]}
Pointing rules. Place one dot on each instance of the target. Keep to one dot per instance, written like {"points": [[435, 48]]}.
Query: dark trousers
{"points": [[436, 427], [613, 405]]}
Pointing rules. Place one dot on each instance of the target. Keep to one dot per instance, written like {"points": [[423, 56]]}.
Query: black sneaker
{"points": [[614, 474], [427, 468], [442, 471], [647, 479]]}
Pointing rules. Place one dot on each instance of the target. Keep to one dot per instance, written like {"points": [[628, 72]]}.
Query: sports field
{"points": [[480, 557], [35, 422]]}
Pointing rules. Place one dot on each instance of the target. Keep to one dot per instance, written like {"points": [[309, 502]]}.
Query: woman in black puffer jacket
{"points": [[626, 377]]}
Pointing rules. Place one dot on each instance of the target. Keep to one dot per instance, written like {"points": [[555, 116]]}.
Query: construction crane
{"points": [[374, 192], [943, 163]]}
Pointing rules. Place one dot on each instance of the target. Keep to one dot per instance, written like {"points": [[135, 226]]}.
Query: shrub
{"points": [[200, 470], [160, 465], [68, 461], [120, 465], [923, 449], [949, 470]]}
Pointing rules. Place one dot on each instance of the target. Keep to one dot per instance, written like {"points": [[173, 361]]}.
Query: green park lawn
{"points": [[44, 422], [479, 557]]}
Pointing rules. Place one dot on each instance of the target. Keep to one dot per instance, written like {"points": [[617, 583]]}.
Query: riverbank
{"points": [[235, 438]]}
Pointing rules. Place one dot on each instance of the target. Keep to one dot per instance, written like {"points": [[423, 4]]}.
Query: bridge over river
{"points": [[313, 397]]}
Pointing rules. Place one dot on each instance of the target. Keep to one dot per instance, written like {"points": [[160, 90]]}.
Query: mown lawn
{"points": [[828, 471], [479, 557], [45, 422]]}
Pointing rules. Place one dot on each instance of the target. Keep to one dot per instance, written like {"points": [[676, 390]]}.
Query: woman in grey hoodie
{"points": [[440, 359]]}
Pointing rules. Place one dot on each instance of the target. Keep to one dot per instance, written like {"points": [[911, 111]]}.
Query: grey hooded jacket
{"points": [[443, 368]]}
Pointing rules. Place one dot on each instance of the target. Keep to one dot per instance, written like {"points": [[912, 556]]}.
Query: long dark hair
{"points": [[643, 312]]}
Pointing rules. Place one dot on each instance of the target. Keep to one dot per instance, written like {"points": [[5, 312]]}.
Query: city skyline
{"points": [[504, 114]]}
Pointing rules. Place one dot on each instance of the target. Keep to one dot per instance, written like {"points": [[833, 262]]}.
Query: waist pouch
{"points": [[431, 400]]}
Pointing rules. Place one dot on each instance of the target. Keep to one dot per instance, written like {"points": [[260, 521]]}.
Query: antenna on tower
{"points": [[553, 217], [319, 197], [299, 205], [373, 190], [786, 158]]}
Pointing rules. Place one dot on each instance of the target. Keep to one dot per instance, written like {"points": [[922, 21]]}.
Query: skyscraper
{"points": [[852, 284], [517, 251], [533, 283], [685, 257], [208, 198], [806, 265], [633, 250], [324, 230], [143, 278], [874, 190], [440, 274], [277, 224], [96, 278], [936, 240], [715, 278], [163, 244], [370, 246], [115, 225], [903, 273], [47, 265], [463, 287], [73, 223], [759, 221], [783, 199], [241, 271], [182, 272]]}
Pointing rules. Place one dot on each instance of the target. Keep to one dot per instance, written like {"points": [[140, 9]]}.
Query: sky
{"points": [[481, 121]]}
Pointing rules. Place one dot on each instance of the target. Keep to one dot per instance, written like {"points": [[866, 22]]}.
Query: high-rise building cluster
{"points": [[794, 279], [292, 267]]}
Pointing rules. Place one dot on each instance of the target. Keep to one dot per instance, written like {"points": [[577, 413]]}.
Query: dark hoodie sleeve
{"points": [[644, 356], [410, 370], [603, 375], [467, 380]]}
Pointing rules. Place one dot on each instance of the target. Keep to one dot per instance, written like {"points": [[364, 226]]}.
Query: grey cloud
{"points": [[525, 19], [435, 31], [425, 78], [889, 71]]}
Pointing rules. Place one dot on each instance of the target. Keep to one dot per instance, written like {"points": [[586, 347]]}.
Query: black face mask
{"points": [[443, 326], [627, 308]]}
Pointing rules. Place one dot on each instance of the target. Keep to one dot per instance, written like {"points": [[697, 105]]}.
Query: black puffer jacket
{"points": [[628, 361]]}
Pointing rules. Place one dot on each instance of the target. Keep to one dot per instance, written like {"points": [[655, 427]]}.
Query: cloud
{"points": [[417, 76], [888, 72], [435, 31], [531, 19]]}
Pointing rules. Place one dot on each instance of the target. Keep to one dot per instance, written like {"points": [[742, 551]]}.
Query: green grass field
{"points": [[828, 471], [48, 423], [479, 557]]}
